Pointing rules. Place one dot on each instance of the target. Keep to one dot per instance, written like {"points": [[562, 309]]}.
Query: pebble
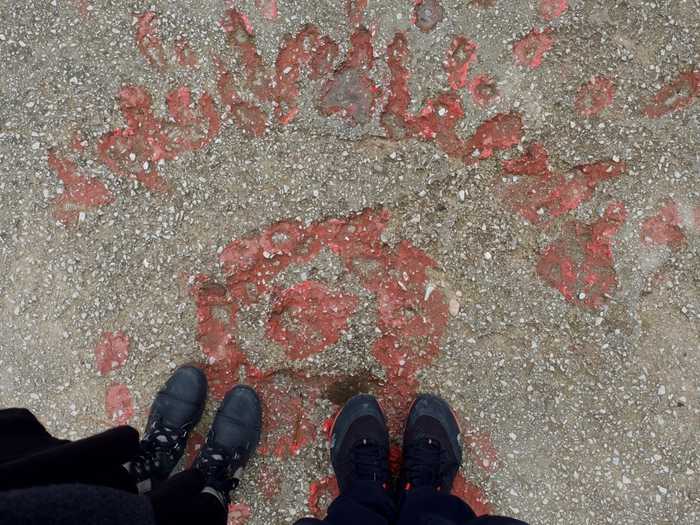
{"points": [[454, 307]]}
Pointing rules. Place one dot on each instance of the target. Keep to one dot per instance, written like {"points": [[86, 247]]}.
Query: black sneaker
{"points": [[360, 443], [432, 453], [233, 437], [176, 410]]}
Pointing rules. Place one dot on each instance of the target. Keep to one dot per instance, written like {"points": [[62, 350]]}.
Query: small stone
{"points": [[488, 256], [454, 307]]}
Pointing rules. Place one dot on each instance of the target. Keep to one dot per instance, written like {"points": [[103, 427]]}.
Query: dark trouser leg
{"points": [[366, 503], [30, 456], [180, 501], [426, 506]]}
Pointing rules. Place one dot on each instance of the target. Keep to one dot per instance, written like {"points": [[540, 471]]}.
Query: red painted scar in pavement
{"points": [[185, 55], [281, 87], [593, 97], [437, 120], [484, 90], [308, 317], [111, 352], [530, 50], [148, 42], [321, 495], [355, 10], [678, 94], [238, 514], [551, 9], [541, 195], [80, 193], [135, 151], [118, 404], [664, 228], [580, 264], [427, 14], [268, 8], [460, 55], [351, 92], [473, 495]]}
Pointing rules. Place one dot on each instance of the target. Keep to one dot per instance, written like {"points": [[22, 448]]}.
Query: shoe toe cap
{"points": [[188, 384]]}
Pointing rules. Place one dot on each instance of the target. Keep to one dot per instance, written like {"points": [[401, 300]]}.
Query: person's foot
{"points": [[432, 453], [176, 410], [233, 437], [360, 443]]}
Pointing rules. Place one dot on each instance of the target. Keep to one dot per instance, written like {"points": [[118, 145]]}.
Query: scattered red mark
{"points": [[460, 55], [309, 49], [194, 445], [238, 513], [580, 264], [327, 426], [482, 450], [269, 481], [281, 87], [77, 143], [697, 218], [551, 9], [427, 14], [678, 94], [395, 460], [80, 194], [351, 92], [111, 352], [412, 317], [664, 228], [134, 151], [535, 161], [191, 131], [529, 50], [83, 7], [186, 56], [216, 316], [268, 8], [308, 318], [594, 97], [241, 38], [356, 11], [472, 495], [437, 120], [479, 445], [148, 42], [118, 404], [503, 131], [542, 194], [321, 495], [484, 91], [395, 116], [285, 432]]}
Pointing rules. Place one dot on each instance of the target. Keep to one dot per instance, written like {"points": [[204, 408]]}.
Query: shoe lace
{"points": [[423, 461], [161, 449], [369, 462], [220, 468]]}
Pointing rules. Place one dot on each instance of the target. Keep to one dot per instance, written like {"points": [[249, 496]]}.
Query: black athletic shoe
{"points": [[360, 443], [233, 437], [432, 453], [176, 410]]}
